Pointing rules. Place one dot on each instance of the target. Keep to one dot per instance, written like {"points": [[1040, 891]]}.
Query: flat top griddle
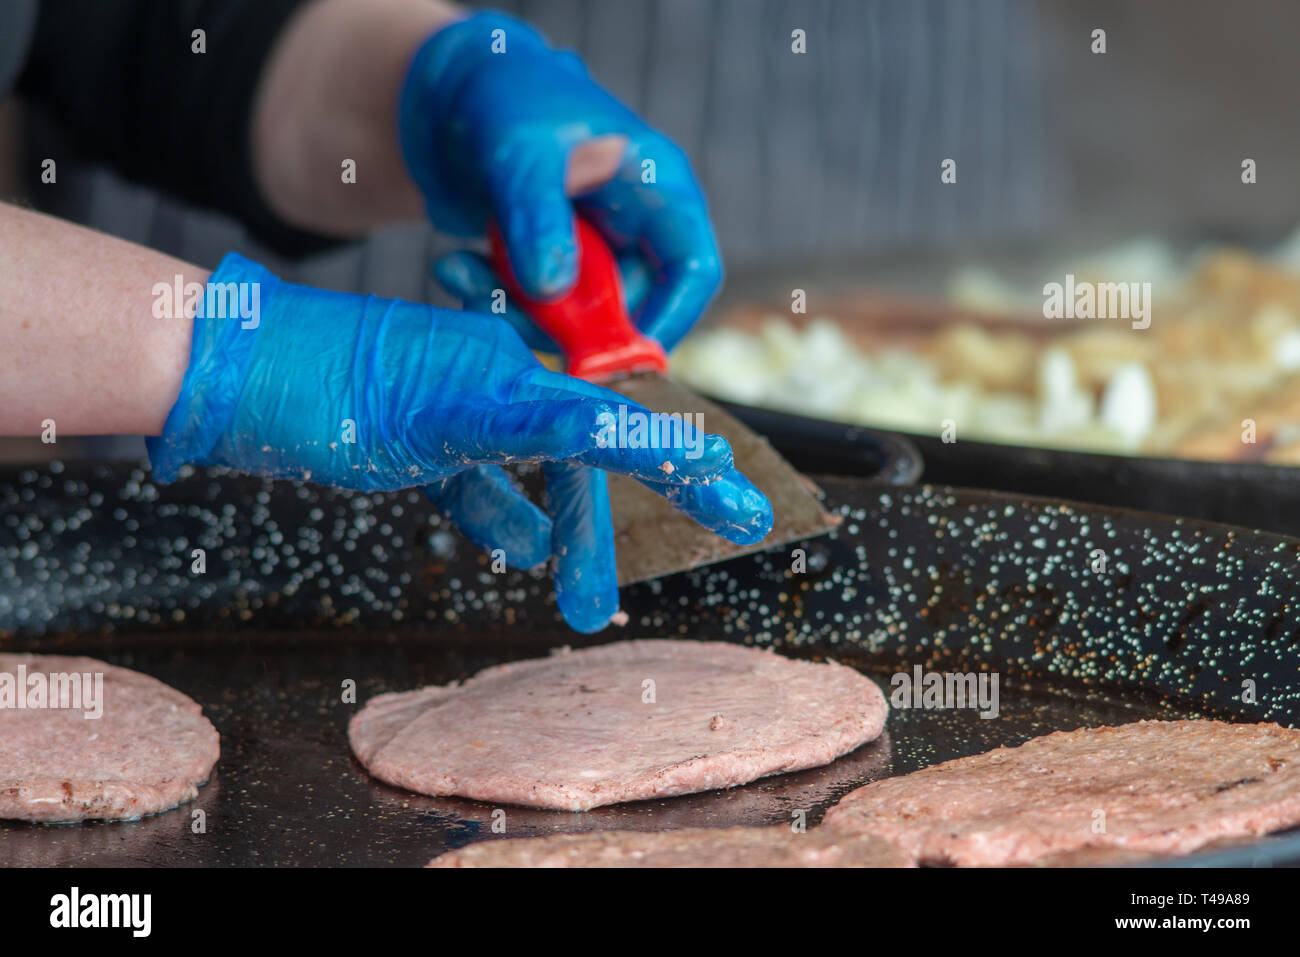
{"points": [[288, 792], [308, 587]]}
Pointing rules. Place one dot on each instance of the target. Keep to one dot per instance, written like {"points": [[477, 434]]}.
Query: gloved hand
{"points": [[370, 393], [488, 117], [732, 506]]}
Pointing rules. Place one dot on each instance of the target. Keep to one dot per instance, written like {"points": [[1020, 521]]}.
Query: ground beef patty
{"points": [[149, 750], [619, 722], [1161, 787], [692, 847]]}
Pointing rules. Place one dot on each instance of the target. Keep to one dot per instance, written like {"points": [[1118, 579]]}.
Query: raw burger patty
{"points": [[1165, 787], [149, 750], [693, 847], [571, 731]]}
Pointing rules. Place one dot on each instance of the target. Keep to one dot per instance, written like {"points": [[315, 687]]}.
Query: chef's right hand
{"points": [[492, 120], [369, 393]]}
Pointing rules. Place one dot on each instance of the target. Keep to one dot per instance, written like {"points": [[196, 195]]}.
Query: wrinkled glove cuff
{"points": [[432, 84], [220, 352]]}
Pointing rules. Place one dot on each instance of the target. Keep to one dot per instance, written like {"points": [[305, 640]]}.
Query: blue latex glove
{"points": [[488, 134], [370, 393], [732, 506]]}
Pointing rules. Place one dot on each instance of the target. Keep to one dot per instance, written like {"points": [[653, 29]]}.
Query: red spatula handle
{"points": [[589, 322]]}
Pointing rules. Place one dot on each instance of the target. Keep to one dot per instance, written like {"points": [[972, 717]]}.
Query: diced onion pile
{"points": [[1223, 346], [818, 371]]}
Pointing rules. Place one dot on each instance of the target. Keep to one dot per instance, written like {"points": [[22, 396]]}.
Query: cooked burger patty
{"points": [[619, 722], [1161, 787], [692, 847], [149, 750]]}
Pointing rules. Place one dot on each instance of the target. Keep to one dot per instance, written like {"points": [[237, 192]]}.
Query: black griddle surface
{"points": [[288, 792], [1098, 615]]}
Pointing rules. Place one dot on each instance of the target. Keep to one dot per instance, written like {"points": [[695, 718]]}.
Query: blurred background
{"points": [[822, 170]]}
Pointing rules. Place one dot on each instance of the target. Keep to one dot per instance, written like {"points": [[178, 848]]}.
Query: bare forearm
{"points": [[79, 339], [330, 93]]}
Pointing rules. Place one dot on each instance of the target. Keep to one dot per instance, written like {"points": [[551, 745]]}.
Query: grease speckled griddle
{"points": [[287, 790], [306, 588]]}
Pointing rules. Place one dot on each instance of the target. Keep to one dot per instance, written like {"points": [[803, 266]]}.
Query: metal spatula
{"points": [[592, 326]]}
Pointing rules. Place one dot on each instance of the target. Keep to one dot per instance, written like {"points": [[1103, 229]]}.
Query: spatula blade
{"points": [[654, 539]]}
